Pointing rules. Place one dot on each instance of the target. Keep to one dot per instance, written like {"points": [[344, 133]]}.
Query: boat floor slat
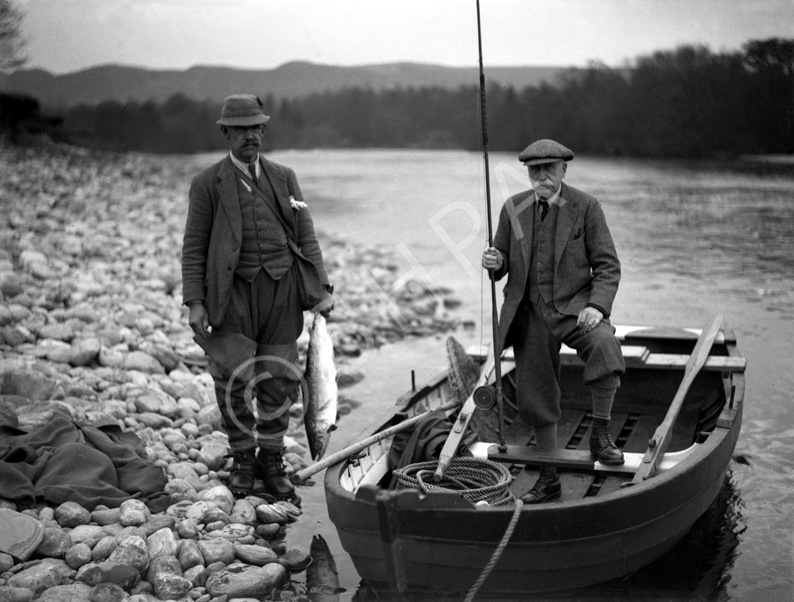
{"points": [[580, 487], [631, 431], [636, 442]]}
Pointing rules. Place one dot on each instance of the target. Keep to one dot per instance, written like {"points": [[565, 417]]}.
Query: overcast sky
{"points": [[70, 35]]}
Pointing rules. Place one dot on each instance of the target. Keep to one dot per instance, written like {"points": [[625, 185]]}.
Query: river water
{"points": [[694, 239]]}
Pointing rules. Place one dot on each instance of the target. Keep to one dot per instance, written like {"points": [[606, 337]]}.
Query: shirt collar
{"points": [[553, 199], [243, 167]]}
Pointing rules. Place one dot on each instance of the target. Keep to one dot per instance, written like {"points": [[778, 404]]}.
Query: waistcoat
{"points": [[540, 281], [264, 244]]}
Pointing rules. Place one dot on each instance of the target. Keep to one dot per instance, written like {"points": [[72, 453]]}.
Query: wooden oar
{"points": [[657, 445], [462, 423], [302, 475]]}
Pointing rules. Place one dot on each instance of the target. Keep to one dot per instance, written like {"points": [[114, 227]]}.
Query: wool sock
{"points": [[602, 402]]}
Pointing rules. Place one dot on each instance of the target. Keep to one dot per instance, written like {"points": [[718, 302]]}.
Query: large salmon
{"points": [[319, 415]]}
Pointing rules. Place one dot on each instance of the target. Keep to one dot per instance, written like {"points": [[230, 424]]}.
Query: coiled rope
{"points": [[477, 480]]}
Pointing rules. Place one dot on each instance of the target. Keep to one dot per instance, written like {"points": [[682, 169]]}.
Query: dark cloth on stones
{"points": [[62, 461]]}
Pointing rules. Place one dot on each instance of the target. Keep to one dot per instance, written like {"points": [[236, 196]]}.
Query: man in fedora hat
{"points": [[246, 221], [563, 272]]}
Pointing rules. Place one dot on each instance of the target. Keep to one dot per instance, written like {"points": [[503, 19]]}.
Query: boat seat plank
{"points": [[566, 428], [639, 356]]}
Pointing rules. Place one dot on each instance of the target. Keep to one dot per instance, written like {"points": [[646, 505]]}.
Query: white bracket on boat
{"points": [[573, 459]]}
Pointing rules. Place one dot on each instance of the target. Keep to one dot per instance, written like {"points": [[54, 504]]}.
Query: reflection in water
{"points": [[322, 577], [697, 568]]}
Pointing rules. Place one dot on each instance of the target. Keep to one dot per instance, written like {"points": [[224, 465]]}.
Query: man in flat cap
{"points": [[247, 229], [563, 272]]}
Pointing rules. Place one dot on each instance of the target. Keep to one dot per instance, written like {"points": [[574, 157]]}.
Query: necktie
{"points": [[544, 209], [252, 172]]}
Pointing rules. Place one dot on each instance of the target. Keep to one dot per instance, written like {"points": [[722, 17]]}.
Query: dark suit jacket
{"points": [[214, 231], [586, 266]]}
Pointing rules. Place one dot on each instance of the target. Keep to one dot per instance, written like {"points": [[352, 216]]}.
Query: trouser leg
{"points": [[276, 391], [267, 313], [237, 417], [604, 365], [600, 351], [537, 368]]}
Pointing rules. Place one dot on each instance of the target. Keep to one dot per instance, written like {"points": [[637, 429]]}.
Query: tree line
{"points": [[688, 102]]}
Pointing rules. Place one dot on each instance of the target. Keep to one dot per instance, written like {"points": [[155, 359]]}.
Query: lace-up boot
{"points": [[545, 489], [241, 475], [601, 445], [270, 469]]}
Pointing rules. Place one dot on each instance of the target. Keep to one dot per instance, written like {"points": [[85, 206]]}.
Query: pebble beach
{"points": [[92, 329]]}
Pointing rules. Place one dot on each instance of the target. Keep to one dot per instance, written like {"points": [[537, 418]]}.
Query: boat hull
{"points": [[554, 546], [439, 541]]}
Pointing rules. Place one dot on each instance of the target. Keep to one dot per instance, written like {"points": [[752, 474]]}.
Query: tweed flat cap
{"points": [[242, 110], [545, 151]]}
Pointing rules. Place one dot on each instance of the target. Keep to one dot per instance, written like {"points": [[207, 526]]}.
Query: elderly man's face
{"points": [[546, 178], [245, 141]]}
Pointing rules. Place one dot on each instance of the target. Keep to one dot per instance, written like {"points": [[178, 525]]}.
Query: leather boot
{"points": [[241, 475], [270, 469], [545, 489], [601, 445]]}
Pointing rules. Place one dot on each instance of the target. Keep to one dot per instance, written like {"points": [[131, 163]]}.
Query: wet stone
{"points": [[20, 534], [216, 550], [39, 577], [73, 592], [132, 552], [220, 496], [157, 523], [240, 580], [134, 513], [189, 554], [162, 543], [78, 555], [122, 575], [55, 544], [104, 548], [253, 554], [197, 575], [163, 564], [106, 516], [89, 534], [107, 592], [168, 586], [295, 560]]}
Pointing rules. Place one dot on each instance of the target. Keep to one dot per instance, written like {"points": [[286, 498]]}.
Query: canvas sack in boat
{"points": [[425, 441], [310, 287]]}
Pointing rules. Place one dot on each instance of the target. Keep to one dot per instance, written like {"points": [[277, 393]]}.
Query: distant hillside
{"points": [[293, 80]]}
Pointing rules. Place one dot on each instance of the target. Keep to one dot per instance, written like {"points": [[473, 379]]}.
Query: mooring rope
{"points": [[497, 552], [475, 479]]}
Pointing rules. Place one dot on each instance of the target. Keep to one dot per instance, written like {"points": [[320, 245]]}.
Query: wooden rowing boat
{"points": [[609, 521]]}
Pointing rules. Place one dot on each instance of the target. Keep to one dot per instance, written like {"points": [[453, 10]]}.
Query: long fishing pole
{"points": [[494, 311]]}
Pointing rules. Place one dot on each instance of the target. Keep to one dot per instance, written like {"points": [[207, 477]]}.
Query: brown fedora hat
{"points": [[242, 110]]}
